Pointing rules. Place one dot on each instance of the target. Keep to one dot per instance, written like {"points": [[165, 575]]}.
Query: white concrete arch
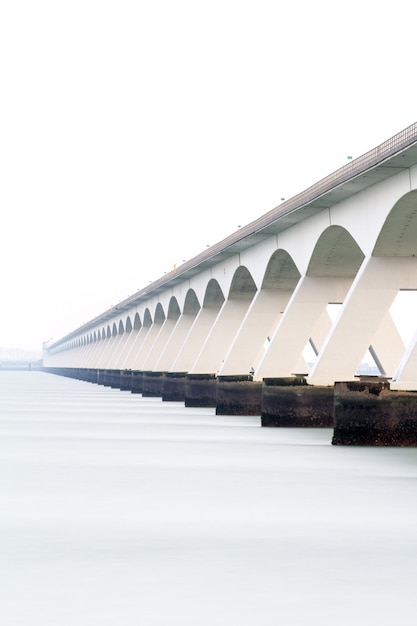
{"points": [[398, 235], [158, 339], [137, 322], [173, 309], [242, 286], [178, 333], [334, 262], [191, 303], [128, 324], [198, 324], [213, 297], [363, 215], [226, 323], [365, 316], [147, 318], [253, 336]]}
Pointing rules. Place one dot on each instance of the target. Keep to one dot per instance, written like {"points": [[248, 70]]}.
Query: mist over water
{"points": [[123, 510]]}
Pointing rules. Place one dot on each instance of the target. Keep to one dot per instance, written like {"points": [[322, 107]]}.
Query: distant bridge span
{"points": [[253, 301]]}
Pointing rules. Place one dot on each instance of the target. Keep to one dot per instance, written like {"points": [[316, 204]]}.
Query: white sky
{"points": [[133, 134]]}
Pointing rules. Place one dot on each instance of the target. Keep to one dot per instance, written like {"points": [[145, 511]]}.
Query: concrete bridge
{"points": [[253, 303]]}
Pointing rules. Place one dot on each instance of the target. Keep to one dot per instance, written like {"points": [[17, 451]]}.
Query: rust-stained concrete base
{"points": [[238, 395], [291, 402], [370, 414], [200, 390]]}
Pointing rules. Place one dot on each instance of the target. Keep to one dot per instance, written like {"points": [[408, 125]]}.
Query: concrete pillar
{"points": [[201, 390], [387, 347], [173, 389], [115, 379], [291, 402], [125, 380], [195, 339], [364, 309], [220, 336], [159, 345], [260, 322], [370, 414], [135, 346], [304, 311], [405, 376], [238, 395], [175, 343], [137, 381], [152, 384], [146, 346]]}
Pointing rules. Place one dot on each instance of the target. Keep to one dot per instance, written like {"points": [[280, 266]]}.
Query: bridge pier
{"points": [[125, 380], [238, 395], [368, 413], [173, 387], [152, 384], [115, 379], [201, 390], [137, 381], [291, 402]]}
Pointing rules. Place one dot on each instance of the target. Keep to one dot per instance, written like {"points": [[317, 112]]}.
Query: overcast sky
{"points": [[133, 134]]}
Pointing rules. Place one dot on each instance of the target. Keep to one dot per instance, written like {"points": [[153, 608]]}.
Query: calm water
{"points": [[120, 510]]}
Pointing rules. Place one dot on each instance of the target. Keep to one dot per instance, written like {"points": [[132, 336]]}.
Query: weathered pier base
{"points": [[370, 414], [137, 381], [173, 387], [238, 395], [291, 402], [126, 380], [201, 390], [115, 376], [152, 384]]}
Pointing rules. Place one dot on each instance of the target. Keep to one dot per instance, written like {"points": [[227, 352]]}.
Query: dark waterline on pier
{"points": [[118, 509]]}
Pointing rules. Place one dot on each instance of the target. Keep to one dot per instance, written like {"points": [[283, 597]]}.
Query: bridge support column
{"points": [[115, 379], [137, 381], [173, 389], [201, 390], [152, 384], [238, 395], [125, 380], [291, 402], [370, 414], [364, 309]]}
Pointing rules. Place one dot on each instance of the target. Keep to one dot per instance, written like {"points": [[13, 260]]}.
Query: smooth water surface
{"points": [[118, 510]]}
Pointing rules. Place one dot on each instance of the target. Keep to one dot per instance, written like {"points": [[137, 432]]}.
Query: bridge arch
{"points": [[281, 272], [137, 323], [213, 298], [398, 236], [159, 317], [191, 303], [242, 286], [336, 253], [173, 309], [147, 319], [128, 324]]}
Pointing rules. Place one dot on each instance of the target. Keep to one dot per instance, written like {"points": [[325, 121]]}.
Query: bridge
{"points": [[251, 305]]}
